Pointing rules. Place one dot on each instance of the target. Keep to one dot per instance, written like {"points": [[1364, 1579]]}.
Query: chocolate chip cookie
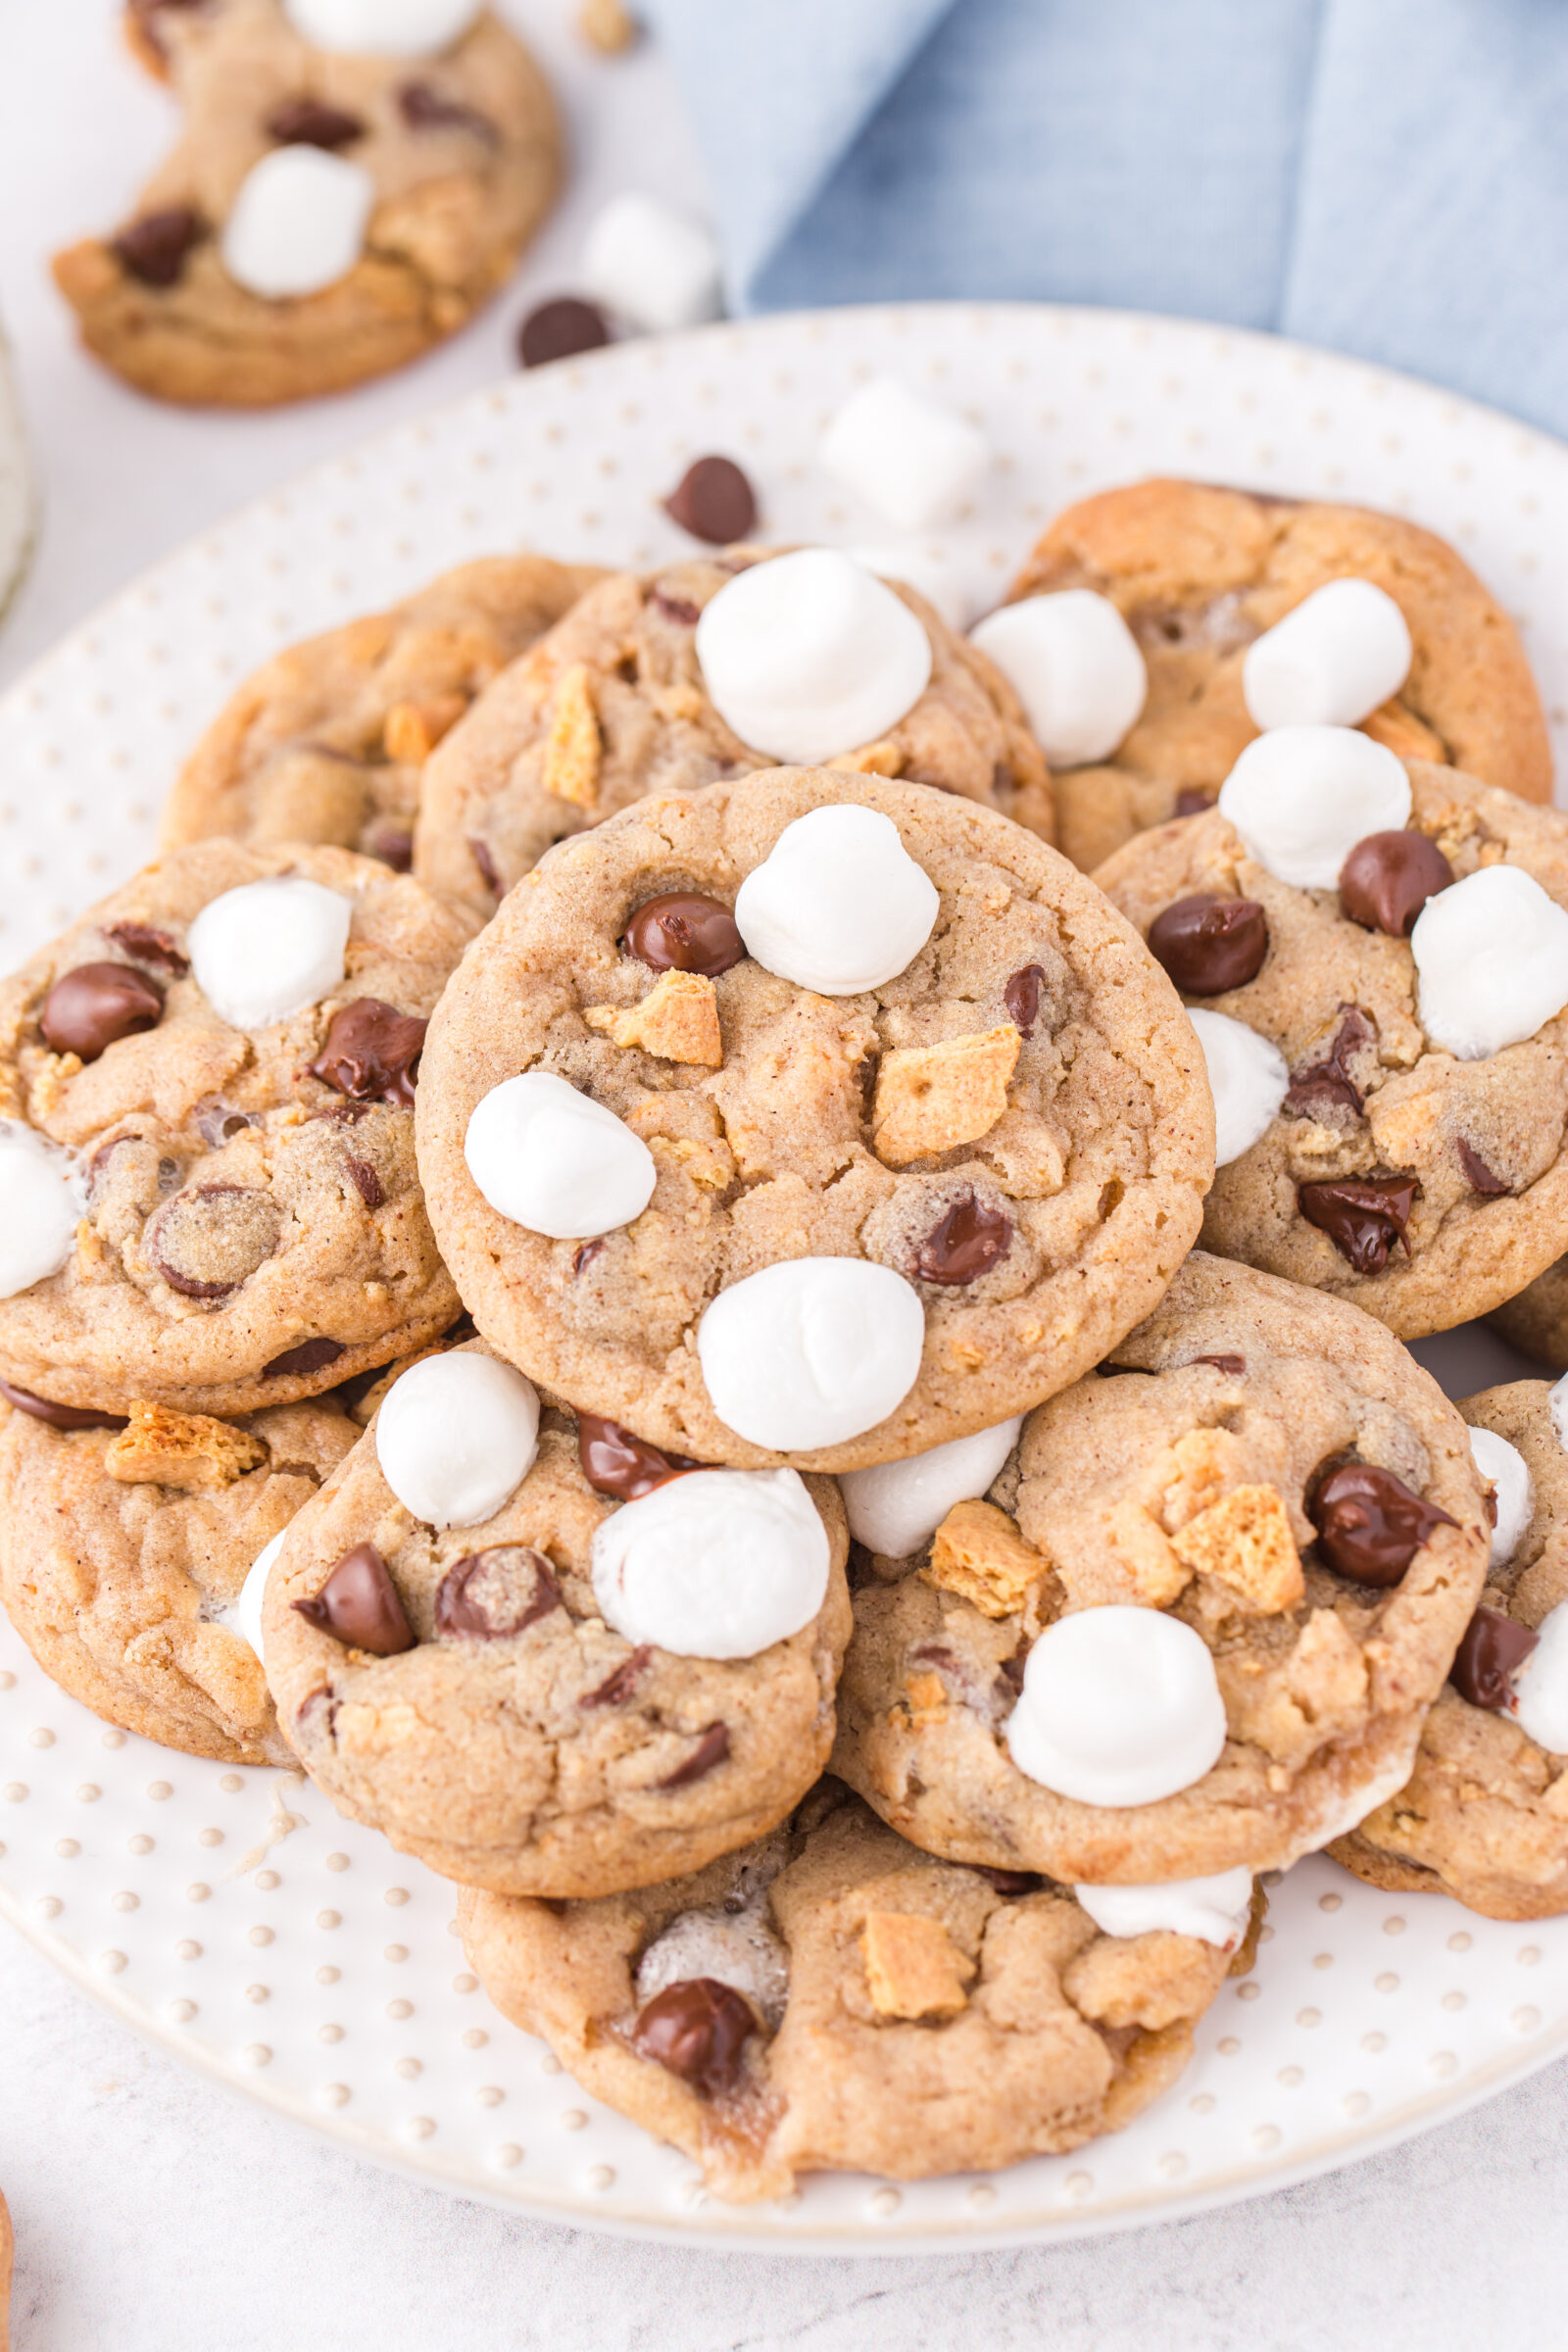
{"points": [[1537, 1321]]}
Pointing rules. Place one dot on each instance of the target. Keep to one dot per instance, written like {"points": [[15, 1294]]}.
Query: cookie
{"points": [[1196, 1621], [1200, 572], [832, 1999], [1537, 1321], [327, 212], [123, 1551], [615, 703], [1390, 1056], [1484, 1816], [913, 1163], [207, 1165], [327, 741]]}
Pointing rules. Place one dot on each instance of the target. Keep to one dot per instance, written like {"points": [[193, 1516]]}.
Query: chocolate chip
{"points": [[143, 942], [490, 1596], [1233, 1366], [697, 2030], [714, 501], [681, 931], [371, 1053], [616, 1462], [1190, 802], [93, 1006], [1010, 1881], [154, 249], [359, 1605], [310, 123], [425, 108], [582, 1257], [1111, 1371], [560, 330], [1490, 1650], [618, 1687], [206, 1243], [1326, 1085], [394, 846], [1478, 1176], [365, 1181], [1021, 996], [1209, 944], [1362, 1216], [677, 609], [1370, 1525], [711, 1750], [218, 1122], [1389, 877], [311, 1355], [964, 1244], [59, 1416], [479, 852]]}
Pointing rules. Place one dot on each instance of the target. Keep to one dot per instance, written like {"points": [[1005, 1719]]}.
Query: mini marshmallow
{"points": [[455, 1435], [1302, 797], [1248, 1077], [922, 569], [838, 904], [383, 28], [41, 1201], [1540, 1685], [557, 1162], [1076, 667], [735, 1948], [810, 1353], [654, 267], [808, 655], [896, 1507], [1345, 650], [1120, 1706], [1514, 1490], [1214, 1910], [247, 1612], [717, 1564], [268, 949], [908, 457], [298, 222], [1491, 953]]}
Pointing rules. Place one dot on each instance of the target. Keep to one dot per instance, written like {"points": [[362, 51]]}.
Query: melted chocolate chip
{"points": [[311, 1355], [1010, 1881], [1389, 877], [425, 108], [1362, 1216], [1190, 802], [1370, 1525], [207, 1242], [560, 330], [1478, 1176], [582, 1257], [371, 1053], [394, 846], [92, 1008], [681, 931], [714, 501], [1021, 996], [155, 248], [1209, 944], [677, 609], [1111, 1371], [616, 1462], [490, 1596], [697, 2030], [359, 1605], [1490, 1650], [218, 1122], [310, 123], [143, 942], [479, 852], [365, 1182], [710, 1753], [966, 1244], [1326, 1085], [1233, 1366], [59, 1416], [618, 1688]]}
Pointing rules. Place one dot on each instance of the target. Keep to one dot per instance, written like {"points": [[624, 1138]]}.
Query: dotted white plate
{"points": [[232, 1914]]}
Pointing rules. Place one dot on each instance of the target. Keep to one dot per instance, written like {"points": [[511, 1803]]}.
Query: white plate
{"points": [[314, 1969]]}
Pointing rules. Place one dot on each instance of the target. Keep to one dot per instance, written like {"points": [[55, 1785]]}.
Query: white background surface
{"points": [[154, 2210]]}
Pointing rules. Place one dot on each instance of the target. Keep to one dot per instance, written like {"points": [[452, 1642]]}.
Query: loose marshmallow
{"points": [[41, 1201], [557, 1162], [268, 949], [1514, 1490], [1248, 1077], [455, 1435], [908, 457], [1491, 953], [298, 222], [896, 1507], [923, 570], [1214, 1910], [717, 1564], [1540, 1685], [838, 904], [383, 28], [1076, 667], [735, 1948], [654, 267], [247, 1621], [810, 1353], [1302, 797], [1344, 650], [1120, 1706], [808, 655]]}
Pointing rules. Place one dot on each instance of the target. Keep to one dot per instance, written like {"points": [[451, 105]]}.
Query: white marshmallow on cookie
{"points": [[1246, 1076], [808, 655], [1076, 667], [265, 950], [1342, 652], [556, 1161], [838, 904], [1513, 1492], [895, 1507], [1492, 955], [1120, 1706], [383, 28], [1213, 1910], [455, 1436], [650, 265], [42, 1198], [247, 1611], [1540, 1685], [1303, 796], [298, 222], [714, 1564], [810, 1353], [908, 457]]}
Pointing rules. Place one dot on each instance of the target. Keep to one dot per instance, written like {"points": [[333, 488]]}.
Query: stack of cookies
{"points": [[616, 1253]]}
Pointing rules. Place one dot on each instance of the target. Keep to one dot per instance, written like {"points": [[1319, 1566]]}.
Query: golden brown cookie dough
{"points": [[1199, 571]]}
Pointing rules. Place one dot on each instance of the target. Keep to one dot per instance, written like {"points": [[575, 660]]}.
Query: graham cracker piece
{"points": [[930, 1097], [676, 1021], [160, 1447], [978, 1552], [573, 745], [1406, 735], [913, 1966], [881, 758], [926, 1697], [411, 731], [1245, 1541], [1157, 1571]]}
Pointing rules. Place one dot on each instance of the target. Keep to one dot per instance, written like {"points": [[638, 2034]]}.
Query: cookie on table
{"points": [[709, 669], [1191, 1623], [832, 1999], [207, 1189], [913, 1163], [545, 1658], [1376, 959], [1536, 1322], [124, 1547], [328, 740], [331, 208], [1200, 573]]}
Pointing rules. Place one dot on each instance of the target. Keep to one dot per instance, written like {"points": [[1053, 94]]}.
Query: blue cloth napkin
{"points": [[1389, 177]]}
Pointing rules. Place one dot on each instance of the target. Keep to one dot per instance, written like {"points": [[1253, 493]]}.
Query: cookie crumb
{"points": [[913, 1966], [161, 1448], [978, 1553], [676, 1021], [1245, 1541], [573, 745], [930, 1097]]}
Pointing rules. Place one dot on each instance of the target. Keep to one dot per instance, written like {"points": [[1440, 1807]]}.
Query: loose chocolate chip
{"points": [[618, 1687], [1370, 1525], [681, 931], [677, 609], [59, 1416], [1490, 1650], [489, 1596], [479, 852], [365, 1182], [1362, 1216], [560, 330], [143, 942], [967, 1244], [615, 1462], [154, 249], [371, 1053], [394, 846], [206, 1243], [1021, 996], [697, 2030], [1478, 1176], [1192, 803], [1233, 1366], [311, 1355], [93, 1006], [710, 1753], [310, 123], [1326, 1085], [359, 1605], [714, 501], [424, 108], [1389, 877], [1010, 1881], [1209, 944]]}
